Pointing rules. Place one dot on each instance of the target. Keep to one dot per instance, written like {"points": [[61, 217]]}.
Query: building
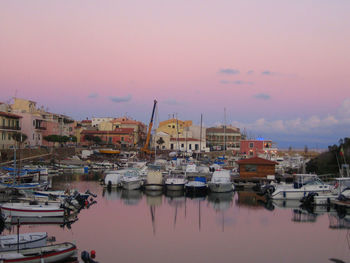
{"points": [[139, 129], [38, 123], [173, 127], [256, 167], [9, 124], [258, 148], [217, 138], [123, 137], [96, 121]]}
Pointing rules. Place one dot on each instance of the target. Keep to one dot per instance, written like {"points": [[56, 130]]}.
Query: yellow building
{"points": [[22, 105], [9, 124], [173, 126]]}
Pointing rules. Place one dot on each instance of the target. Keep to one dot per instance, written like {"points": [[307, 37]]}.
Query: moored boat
{"points": [[175, 183], [21, 241], [154, 181], [221, 182], [47, 254], [31, 210]]}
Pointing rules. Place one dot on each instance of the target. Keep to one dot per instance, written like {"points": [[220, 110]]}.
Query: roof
{"points": [[222, 130], [116, 131], [184, 139], [86, 121], [256, 160], [9, 115]]}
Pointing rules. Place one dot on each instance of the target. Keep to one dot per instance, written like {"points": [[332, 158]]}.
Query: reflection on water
{"points": [[132, 226]]}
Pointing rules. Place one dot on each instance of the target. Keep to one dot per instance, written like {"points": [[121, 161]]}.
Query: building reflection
{"points": [[252, 200]]}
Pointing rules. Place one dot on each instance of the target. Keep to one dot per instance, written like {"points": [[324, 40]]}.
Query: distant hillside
{"points": [[331, 160]]}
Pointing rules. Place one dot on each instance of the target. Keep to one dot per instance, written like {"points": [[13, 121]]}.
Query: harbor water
{"points": [[134, 226]]}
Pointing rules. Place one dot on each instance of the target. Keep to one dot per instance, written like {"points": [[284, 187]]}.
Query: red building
{"points": [[258, 148], [119, 136]]}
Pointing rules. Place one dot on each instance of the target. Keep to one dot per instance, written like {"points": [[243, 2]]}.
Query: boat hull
{"points": [[131, 185], [34, 211], [175, 187], [295, 194], [153, 187]]}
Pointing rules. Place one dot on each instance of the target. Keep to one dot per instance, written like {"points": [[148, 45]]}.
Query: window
{"points": [[38, 136], [251, 153], [173, 126], [251, 145], [17, 124], [3, 135], [9, 136], [122, 139], [196, 146], [8, 123], [33, 124], [3, 122], [250, 168], [182, 145], [172, 146], [33, 136], [190, 147]]}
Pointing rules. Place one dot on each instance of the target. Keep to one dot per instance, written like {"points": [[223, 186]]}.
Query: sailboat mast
{"points": [[224, 129], [200, 135]]}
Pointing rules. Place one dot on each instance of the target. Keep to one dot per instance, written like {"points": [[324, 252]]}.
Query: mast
{"points": [[200, 135], [224, 129]]}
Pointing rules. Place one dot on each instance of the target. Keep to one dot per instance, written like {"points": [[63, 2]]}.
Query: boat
{"points": [[47, 254], [198, 186], [154, 181], [113, 178], [131, 181], [21, 241], [175, 183], [109, 151], [303, 185], [31, 210], [221, 182], [24, 186], [340, 190]]}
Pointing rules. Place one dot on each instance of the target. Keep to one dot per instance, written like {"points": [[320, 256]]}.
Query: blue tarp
{"points": [[200, 179]]}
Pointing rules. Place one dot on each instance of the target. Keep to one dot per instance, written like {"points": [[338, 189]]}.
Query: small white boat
{"points": [[154, 181], [47, 254], [21, 241], [31, 210], [303, 185], [198, 186], [131, 181], [175, 183], [221, 182]]}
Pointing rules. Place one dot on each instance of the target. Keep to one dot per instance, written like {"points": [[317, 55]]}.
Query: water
{"points": [[237, 227]]}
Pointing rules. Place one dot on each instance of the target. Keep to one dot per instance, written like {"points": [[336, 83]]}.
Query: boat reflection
{"points": [[153, 200], [221, 201], [112, 194], [131, 197], [252, 200]]}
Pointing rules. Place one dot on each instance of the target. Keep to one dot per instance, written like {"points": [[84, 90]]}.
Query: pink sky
{"points": [[60, 53]]}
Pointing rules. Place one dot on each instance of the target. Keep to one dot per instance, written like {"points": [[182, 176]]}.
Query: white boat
{"points": [[154, 181], [113, 178], [340, 190], [31, 210], [221, 182], [303, 185], [131, 181], [47, 254], [21, 241], [175, 183]]}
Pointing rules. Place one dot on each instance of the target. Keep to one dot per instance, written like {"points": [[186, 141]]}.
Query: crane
{"points": [[145, 148]]}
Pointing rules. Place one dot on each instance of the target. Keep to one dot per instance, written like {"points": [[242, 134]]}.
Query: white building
{"points": [[96, 121]]}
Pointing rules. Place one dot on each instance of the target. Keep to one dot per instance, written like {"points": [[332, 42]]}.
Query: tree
{"points": [[19, 138], [306, 149], [97, 139], [160, 141]]}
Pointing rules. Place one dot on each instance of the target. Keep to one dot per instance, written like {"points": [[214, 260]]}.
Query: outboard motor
{"points": [[93, 195], [268, 190], [309, 199], [85, 256]]}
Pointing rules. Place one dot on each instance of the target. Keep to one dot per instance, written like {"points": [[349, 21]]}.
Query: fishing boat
{"points": [[303, 185], [31, 210], [175, 183], [221, 182], [21, 241], [23, 186], [154, 181], [51, 253]]}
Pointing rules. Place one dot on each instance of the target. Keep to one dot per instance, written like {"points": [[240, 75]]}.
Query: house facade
{"points": [[256, 167], [9, 124], [219, 138], [258, 148]]}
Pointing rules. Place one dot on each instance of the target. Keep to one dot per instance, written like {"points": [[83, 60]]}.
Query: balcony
{"points": [[15, 128], [40, 128]]}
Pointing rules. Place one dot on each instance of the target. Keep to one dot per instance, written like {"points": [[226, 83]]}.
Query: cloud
{"points": [[229, 71], [240, 82], [262, 96], [344, 109], [172, 102], [121, 99], [267, 73], [92, 95], [250, 72], [236, 82]]}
